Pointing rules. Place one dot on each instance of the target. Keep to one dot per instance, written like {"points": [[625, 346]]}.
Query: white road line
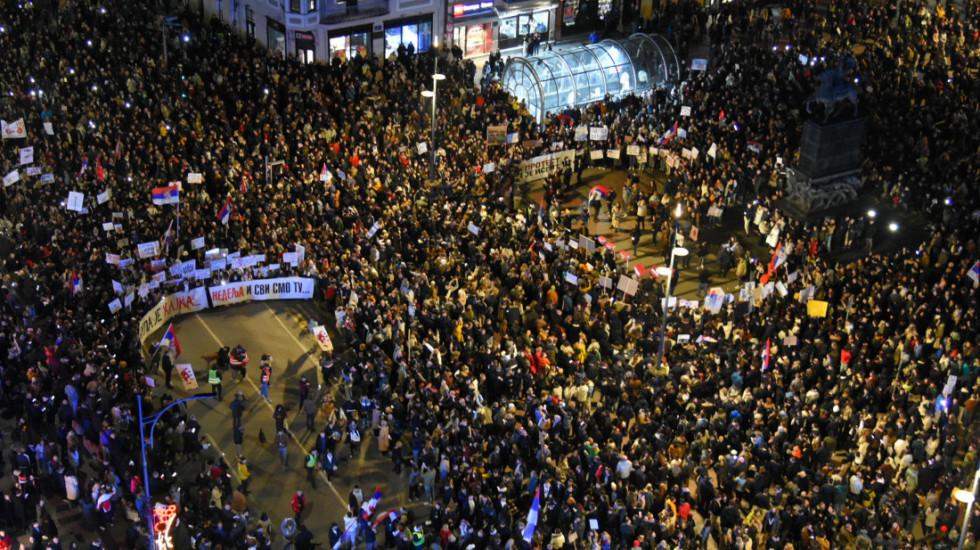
{"points": [[268, 404], [303, 348]]}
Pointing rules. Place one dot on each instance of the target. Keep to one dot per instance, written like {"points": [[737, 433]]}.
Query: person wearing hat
{"points": [[266, 376]]}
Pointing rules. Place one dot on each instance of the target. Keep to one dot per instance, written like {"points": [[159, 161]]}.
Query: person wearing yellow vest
{"points": [[214, 378]]}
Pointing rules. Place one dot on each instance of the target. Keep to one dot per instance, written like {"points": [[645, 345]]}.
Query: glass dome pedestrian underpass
{"points": [[556, 80]]}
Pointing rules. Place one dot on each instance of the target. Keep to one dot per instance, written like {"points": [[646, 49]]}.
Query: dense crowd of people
{"points": [[497, 379]]}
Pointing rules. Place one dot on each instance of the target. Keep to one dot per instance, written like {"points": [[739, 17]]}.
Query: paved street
{"points": [[278, 329]]}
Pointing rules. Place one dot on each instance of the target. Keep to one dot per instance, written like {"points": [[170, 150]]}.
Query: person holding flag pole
{"points": [[532, 517]]}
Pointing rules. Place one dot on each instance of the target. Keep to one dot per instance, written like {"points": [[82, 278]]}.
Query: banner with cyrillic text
{"points": [[539, 167], [170, 306], [284, 288]]}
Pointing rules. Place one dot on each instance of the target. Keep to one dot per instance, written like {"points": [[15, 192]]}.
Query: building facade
{"points": [[319, 30]]}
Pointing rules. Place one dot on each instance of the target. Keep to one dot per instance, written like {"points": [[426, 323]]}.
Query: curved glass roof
{"points": [[553, 81]]}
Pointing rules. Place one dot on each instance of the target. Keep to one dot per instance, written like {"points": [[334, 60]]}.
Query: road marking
{"points": [[268, 404]]}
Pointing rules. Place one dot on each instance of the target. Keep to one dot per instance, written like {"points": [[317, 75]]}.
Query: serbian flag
{"points": [[755, 147], [599, 192], [243, 187], [166, 237], [774, 263], [974, 273], [669, 135], [225, 211], [167, 195], [170, 337], [76, 283], [532, 517], [99, 170], [84, 166], [765, 355], [369, 506], [325, 174]]}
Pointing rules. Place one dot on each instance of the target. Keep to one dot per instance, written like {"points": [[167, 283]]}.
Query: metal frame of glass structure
{"points": [[553, 81]]}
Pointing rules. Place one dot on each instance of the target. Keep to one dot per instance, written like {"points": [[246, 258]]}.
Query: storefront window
{"points": [[276, 32], [347, 46], [508, 28], [419, 35], [474, 39]]}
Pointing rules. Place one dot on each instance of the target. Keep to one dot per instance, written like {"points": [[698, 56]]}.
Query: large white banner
{"points": [[284, 288], [170, 306], [539, 167]]}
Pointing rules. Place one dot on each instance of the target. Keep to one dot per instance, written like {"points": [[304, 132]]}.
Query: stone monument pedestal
{"points": [[829, 170]]}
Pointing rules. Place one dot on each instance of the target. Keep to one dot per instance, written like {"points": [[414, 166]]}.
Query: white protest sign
{"points": [[596, 155], [195, 177], [186, 374], [489, 167], [49, 128], [322, 338], [633, 150], [686, 110], [581, 133], [598, 133], [75, 200], [422, 147], [148, 249], [115, 305], [11, 178], [473, 228], [26, 155], [612, 153], [197, 243], [33, 170], [102, 197]]}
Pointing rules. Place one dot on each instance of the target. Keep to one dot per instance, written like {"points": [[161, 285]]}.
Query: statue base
{"points": [[810, 198], [831, 148]]}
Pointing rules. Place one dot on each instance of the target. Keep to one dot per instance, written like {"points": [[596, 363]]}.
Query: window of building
{"points": [[250, 22], [294, 5], [311, 6]]}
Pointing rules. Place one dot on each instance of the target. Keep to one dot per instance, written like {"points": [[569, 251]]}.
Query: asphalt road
{"points": [[278, 329]]}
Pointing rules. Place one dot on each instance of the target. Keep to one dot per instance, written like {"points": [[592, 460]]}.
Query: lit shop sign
{"points": [[163, 521], [307, 36], [464, 10]]}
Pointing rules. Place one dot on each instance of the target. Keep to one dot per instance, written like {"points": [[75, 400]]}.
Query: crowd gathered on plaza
{"points": [[490, 379]]}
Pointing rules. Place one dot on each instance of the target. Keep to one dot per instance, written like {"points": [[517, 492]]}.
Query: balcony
{"points": [[333, 12]]}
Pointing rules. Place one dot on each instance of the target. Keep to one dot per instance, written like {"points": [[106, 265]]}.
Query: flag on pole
{"points": [[167, 195], [76, 283], [170, 337], [765, 355], [974, 273], [99, 171], [225, 211], [532, 516], [755, 146], [325, 174], [166, 237], [84, 166], [669, 135]]}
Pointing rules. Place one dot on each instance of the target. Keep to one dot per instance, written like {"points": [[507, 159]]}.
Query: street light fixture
{"points": [[969, 498], [432, 137], [152, 422]]}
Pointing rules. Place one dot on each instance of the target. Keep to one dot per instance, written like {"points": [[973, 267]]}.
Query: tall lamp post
{"points": [[432, 136], [152, 422], [968, 497], [669, 272]]}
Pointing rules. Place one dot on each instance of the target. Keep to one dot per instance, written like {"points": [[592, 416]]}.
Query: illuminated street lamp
{"points": [[968, 498], [432, 137], [676, 251]]}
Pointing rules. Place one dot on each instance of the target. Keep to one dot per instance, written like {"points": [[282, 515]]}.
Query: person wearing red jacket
{"points": [[299, 504]]}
